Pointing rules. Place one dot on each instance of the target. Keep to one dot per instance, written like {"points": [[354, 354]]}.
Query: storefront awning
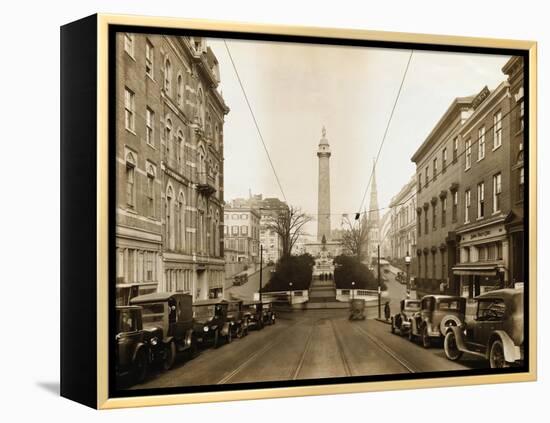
{"points": [[476, 271]]}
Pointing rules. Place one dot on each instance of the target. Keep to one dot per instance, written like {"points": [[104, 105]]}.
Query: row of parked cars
{"points": [[494, 331], [154, 328]]}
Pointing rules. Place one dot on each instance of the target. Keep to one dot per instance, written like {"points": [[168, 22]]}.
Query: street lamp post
{"points": [[379, 287], [407, 265], [261, 270], [290, 293], [352, 290]]}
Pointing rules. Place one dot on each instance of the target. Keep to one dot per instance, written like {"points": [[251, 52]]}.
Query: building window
{"points": [[425, 221], [149, 58], [521, 183], [497, 129], [244, 230], [149, 265], [170, 219], [443, 212], [521, 115], [181, 221], [168, 77], [180, 91], [420, 182], [468, 150], [168, 137], [129, 44], [455, 149], [434, 168], [235, 230], [130, 181], [149, 126], [497, 190], [480, 200], [427, 176], [419, 226], [179, 151], [481, 143], [467, 199], [129, 109], [444, 159], [455, 206], [151, 192]]}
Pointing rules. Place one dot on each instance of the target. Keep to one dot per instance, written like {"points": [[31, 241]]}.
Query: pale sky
{"points": [[295, 89]]}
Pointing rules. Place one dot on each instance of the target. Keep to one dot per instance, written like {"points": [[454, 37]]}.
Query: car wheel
{"points": [[273, 320], [229, 338], [496, 355], [170, 356], [216, 341], [392, 326], [449, 345], [140, 366], [425, 338], [410, 334]]}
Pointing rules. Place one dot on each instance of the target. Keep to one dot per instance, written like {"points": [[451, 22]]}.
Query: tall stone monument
{"points": [[323, 209]]}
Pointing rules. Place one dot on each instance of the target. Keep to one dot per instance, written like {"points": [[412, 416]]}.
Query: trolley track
{"points": [[386, 349]]}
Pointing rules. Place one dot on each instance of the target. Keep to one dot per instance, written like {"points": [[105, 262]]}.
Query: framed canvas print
{"points": [[263, 211]]}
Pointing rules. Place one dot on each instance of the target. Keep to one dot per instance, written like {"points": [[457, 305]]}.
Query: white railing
{"points": [[295, 297], [364, 294]]}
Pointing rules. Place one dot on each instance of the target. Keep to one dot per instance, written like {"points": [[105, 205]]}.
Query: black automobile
{"points": [[237, 318], [132, 351], [168, 325], [269, 317], [254, 313], [401, 322], [210, 322]]}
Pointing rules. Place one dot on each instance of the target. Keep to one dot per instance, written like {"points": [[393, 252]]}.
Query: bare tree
{"points": [[354, 237], [289, 224]]}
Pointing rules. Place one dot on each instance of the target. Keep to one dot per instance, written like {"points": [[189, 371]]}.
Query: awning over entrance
{"points": [[476, 271]]}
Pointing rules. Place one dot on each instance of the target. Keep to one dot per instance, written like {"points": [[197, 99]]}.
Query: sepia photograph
{"points": [[294, 212]]}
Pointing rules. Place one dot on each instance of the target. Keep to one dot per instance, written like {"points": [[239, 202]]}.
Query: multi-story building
{"points": [[242, 233], [487, 195], [518, 143], [438, 200], [402, 232], [482, 189], [169, 164], [269, 209]]}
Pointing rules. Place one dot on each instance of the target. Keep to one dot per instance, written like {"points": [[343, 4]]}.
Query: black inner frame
{"points": [[114, 29]]}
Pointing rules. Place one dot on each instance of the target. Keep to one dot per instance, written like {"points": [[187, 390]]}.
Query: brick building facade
{"points": [[169, 141], [470, 193]]}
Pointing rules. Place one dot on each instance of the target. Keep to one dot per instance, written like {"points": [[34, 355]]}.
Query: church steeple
{"points": [[374, 214]]}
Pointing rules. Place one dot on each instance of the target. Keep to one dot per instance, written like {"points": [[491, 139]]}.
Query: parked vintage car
{"points": [[210, 322], [126, 291], [496, 333], [132, 350], [254, 313], [437, 313], [402, 321], [357, 309], [268, 314], [237, 318], [168, 324]]}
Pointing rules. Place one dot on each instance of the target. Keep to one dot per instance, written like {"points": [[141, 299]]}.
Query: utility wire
{"points": [[488, 130], [254, 118], [386, 130]]}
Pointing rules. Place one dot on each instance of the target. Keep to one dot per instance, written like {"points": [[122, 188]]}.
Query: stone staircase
{"points": [[322, 294]]}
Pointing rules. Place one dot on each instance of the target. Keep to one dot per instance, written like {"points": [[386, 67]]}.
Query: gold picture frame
{"points": [[100, 219]]}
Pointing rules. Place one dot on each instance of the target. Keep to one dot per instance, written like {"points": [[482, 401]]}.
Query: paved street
{"points": [[304, 345]]}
